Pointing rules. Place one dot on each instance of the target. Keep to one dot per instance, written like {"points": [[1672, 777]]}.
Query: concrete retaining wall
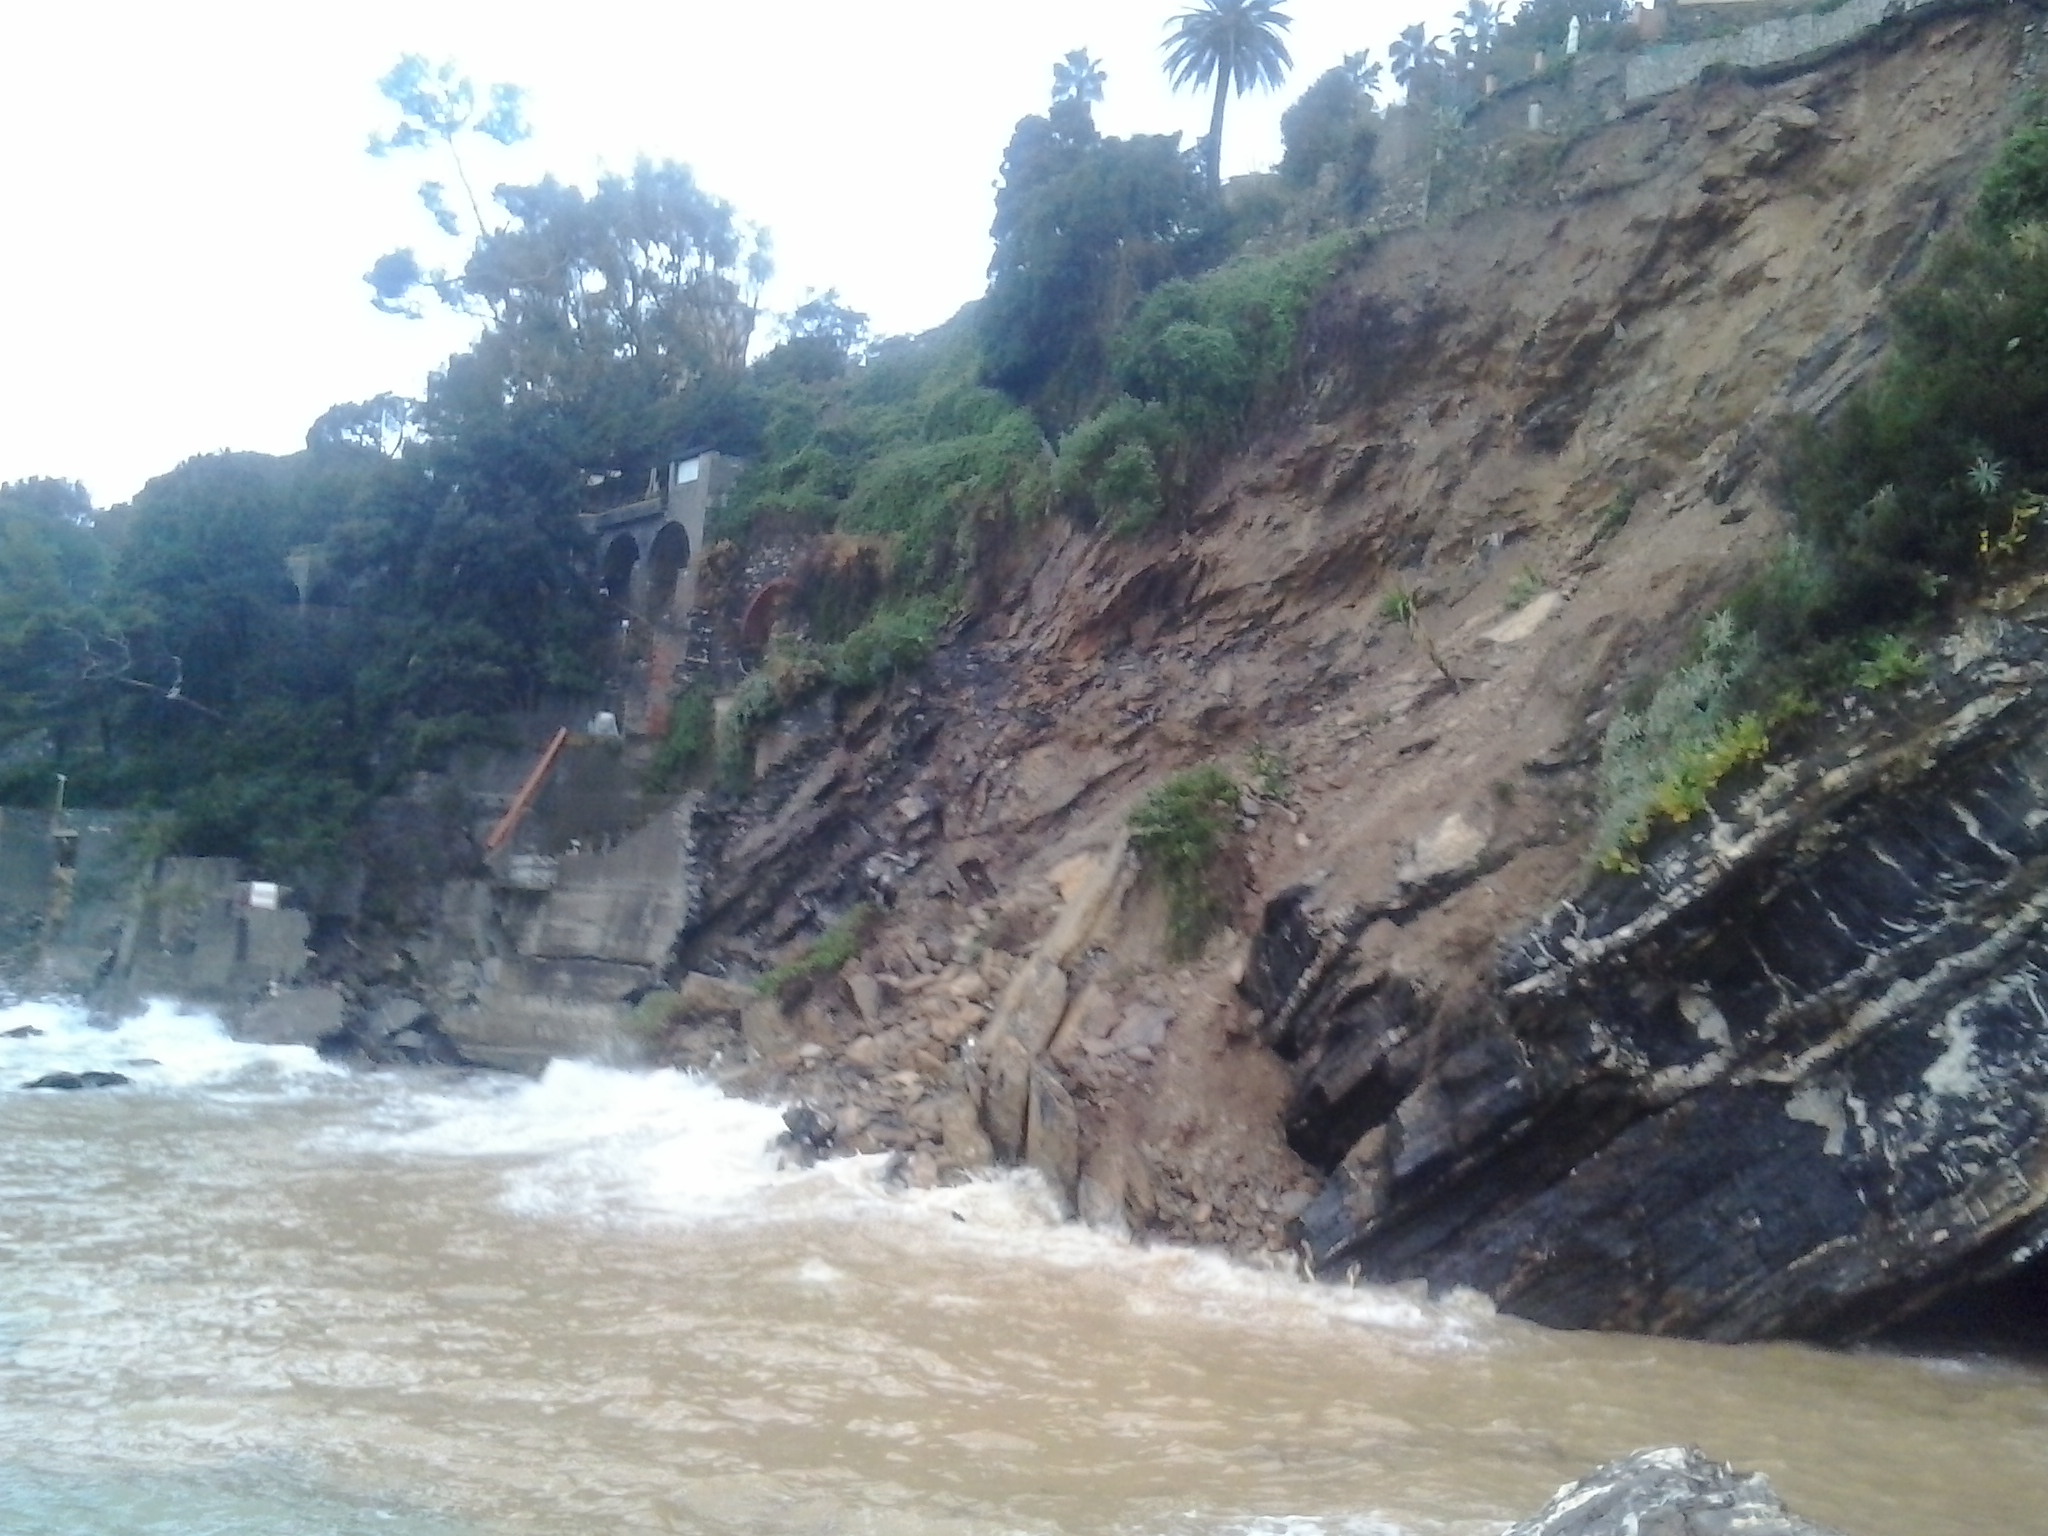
{"points": [[1785, 40]]}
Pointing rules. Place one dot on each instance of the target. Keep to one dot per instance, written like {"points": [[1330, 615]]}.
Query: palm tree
{"points": [[1415, 55], [1364, 72], [1078, 77], [1235, 43], [1476, 26]]}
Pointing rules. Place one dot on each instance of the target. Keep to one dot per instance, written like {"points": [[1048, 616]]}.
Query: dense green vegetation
{"points": [[688, 747], [53, 576], [257, 646], [1196, 366], [1334, 126], [163, 656]]}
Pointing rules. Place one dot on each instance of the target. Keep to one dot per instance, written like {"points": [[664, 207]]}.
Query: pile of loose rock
{"points": [[878, 1058]]}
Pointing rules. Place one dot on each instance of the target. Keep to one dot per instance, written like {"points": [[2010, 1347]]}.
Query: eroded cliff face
{"points": [[1790, 1080], [1727, 1100]]}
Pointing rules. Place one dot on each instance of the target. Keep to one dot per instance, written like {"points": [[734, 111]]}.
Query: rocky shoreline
{"points": [[1785, 1083]]}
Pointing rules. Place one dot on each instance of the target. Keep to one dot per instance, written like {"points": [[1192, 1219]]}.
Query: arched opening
{"points": [[620, 556], [758, 623], [666, 562]]}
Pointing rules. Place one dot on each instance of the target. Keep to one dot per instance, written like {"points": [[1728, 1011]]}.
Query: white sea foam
{"points": [[596, 1144], [165, 1046], [592, 1141], [1304, 1525]]}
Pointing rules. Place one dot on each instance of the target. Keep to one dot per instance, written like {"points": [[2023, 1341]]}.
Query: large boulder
{"points": [[1786, 1080], [1670, 1492], [294, 1016]]}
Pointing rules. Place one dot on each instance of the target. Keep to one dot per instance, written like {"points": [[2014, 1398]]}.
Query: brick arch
{"points": [[667, 557], [763, 609]]}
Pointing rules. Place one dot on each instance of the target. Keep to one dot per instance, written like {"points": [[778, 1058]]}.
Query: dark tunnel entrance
{"points": [[620, 558]]}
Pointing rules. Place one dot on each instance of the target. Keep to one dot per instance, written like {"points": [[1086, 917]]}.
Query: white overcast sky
{"points": [[190, 210]]}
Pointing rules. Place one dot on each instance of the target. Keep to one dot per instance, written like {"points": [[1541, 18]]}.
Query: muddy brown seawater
{"points": [[251, 1292]]}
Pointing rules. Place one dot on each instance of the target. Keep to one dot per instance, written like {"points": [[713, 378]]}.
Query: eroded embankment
{"points": [[1550, 425]]}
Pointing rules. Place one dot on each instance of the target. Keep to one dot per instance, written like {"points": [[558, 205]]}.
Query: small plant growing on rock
{"points": [[840, 943], [1527, 586], [1271, 773], [1662, 763], [690, 744], [1182, 832], [652, 1015], [1892, 663], [1403, 605], [1613, 517], [1997, 549], [1399, 604], [748, 714]]}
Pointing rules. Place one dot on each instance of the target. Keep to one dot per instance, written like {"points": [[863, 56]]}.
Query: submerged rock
{"points": [[20, 1032], [808, 1131], [1671, 1492], [72, 1081]]}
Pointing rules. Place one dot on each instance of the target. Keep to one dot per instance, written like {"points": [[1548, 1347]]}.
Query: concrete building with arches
{"points": [[648, 549]]}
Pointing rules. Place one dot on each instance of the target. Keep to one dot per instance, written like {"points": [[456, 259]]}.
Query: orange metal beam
{"points": [[509, 822]]}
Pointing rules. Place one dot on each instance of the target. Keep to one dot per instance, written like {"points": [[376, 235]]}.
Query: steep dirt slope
{"points": [[1568, 405]]}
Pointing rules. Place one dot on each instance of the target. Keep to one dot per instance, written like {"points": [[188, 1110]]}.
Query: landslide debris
{"points": [[1546, 428]]}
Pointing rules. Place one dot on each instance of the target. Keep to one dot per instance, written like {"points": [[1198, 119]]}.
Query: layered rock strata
{"points": [[1790, 1080]]}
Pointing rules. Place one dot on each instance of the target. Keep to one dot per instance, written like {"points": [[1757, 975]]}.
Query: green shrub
{"points": [[1114, 468], [1613, 517], [1661, 763], [907, 448], [1922, 477], [1527, 586], [1199, 371], [1196, 363], [929, 498], [2015, 189], [897, 637], [1892, 663], [754, 706], [1272, 774], [1399, 605], [842, 942], [689, 746], [652, 1016], [1928, 480], [1182, 832], [1130, 491], [1214, 347]]}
